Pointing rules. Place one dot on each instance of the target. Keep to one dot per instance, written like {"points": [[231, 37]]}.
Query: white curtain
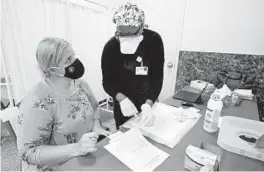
{"points": [[26, 22]]}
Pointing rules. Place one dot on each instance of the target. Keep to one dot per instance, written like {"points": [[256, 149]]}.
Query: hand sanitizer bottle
{"points": [[212, 114]]}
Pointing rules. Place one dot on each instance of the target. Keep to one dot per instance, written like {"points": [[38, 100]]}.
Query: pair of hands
{"points": [[128, 109], [88, 141]]}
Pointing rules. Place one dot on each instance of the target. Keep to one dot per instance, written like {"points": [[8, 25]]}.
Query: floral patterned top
{"points": [[50, 118]]}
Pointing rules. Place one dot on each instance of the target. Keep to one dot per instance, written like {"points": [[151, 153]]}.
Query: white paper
{"points": [[197, 84], [115, 137], [193, 109], [245, 94], [136, 152], [170, 126]]}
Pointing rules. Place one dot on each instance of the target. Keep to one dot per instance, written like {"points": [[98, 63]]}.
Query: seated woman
{"points": [[60, 118]]}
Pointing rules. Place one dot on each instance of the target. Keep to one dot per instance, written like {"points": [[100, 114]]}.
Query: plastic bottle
{"points": [[213, 112]]}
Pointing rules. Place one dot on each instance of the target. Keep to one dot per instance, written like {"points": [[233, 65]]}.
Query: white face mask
{"points": [[129, 45]]}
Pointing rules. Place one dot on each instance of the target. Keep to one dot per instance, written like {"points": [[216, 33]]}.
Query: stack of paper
{"points": [[198, 85], [170, 126], [244, 94], [135, 151]]}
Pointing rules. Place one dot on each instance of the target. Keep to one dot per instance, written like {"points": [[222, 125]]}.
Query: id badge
{"points": [[143, 70]]}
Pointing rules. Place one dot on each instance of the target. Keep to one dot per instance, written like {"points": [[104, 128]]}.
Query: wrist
{"points": [[74, 150], [120, 97], [97, 121]]}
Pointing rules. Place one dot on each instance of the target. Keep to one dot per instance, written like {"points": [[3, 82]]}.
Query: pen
{"points": [[173, 105], [108, 137], [195, 106]]}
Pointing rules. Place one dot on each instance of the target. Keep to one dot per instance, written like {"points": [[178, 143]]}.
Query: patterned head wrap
{"points": [[130, 16]]}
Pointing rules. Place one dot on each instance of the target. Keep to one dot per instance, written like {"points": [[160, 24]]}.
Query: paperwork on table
{"points": [[135, 151], [170, 126], [115, 137]]}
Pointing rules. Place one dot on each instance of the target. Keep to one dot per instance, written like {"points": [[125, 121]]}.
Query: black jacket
{"points": [[118, 69]]}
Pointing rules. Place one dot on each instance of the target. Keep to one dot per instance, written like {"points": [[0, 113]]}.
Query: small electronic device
{"points": [[187, 104], [189, 96]]}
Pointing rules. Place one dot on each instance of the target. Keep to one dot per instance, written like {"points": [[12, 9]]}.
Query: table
{"points": [[102, 160]]}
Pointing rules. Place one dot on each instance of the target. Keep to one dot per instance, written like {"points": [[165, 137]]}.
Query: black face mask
{"points": [[75, 70]]}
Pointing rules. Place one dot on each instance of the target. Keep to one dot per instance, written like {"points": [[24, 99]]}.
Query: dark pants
{"points": [[120, 119]]}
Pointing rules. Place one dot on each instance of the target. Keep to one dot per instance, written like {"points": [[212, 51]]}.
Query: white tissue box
{"points": [[205, 155], [244, 94]]}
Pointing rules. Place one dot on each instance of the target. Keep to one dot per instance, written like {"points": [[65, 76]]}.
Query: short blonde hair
{"points": [[49, 52]]}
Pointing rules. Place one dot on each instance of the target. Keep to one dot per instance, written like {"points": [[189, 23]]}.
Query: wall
{"points": [[235, 26], [82, 24], [205, 66]]}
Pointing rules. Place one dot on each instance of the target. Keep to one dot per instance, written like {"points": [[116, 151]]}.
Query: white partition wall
{"points": [[25, 23], [226, 26]]}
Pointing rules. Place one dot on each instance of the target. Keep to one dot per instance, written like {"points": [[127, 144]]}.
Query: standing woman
{"points": [[132, 64], [60, 118]]}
